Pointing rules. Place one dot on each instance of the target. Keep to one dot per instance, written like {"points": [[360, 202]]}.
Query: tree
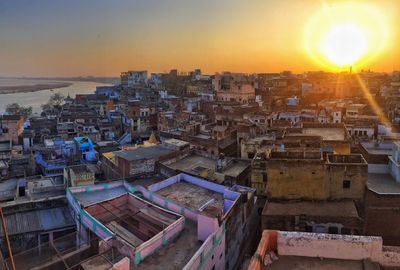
{"points": [[16, 109], [55, 100]]}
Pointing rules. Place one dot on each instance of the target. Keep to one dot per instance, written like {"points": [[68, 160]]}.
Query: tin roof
{"points": [[38, 220]]}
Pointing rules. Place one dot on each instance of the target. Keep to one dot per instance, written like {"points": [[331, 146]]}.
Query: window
{"points": [[333, 230], [346, 183]]}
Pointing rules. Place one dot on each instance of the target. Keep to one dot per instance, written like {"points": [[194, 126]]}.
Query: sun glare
{"points": [[346, 34], [344, 44]]}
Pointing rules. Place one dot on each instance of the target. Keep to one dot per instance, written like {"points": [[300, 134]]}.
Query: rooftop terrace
{"points": [[200, 196]]}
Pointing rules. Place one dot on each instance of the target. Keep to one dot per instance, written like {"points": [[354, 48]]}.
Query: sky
{"points": [[104, 37]]}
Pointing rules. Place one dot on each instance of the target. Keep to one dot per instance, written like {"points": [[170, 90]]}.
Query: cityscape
{"points": [[200, 135]]}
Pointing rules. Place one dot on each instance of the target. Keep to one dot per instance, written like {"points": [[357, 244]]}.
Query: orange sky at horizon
{"points": [[50, 39]]}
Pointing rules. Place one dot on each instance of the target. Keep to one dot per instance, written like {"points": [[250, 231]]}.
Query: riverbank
{"points": [[32, 88]]}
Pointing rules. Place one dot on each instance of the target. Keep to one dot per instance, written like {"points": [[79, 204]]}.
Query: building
{"points": [[381, 207], [307, 175], [196, 225], [39, 222], [377, 155], [139, 161], [222, 170], [79, 175], [11, 127], [314, 251], [234, 87], [133, 78], [335, 217], [394, 162]]}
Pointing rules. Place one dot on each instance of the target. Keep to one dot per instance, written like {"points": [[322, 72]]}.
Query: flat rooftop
{"points": [[343, 209], [197, 165], [327, 133], [191, 163], [383, 184], [236, 168], [378, 149], [177, 253], [144, 153], [191, 196]]}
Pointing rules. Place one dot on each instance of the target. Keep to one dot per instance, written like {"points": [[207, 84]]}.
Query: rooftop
{"points": [[383, 184], [327, 134], [141, 153], [206, 166], [191, 196], [373, 148], [337, 208], [38, 220], [177, 253], [198, 195], [139, 225]]}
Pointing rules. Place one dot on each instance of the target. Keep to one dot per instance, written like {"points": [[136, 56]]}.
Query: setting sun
{"points": [[344, 44], [346, 34]]}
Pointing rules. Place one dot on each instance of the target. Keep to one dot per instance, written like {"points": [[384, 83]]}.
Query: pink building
{"points": [[317, 251]]}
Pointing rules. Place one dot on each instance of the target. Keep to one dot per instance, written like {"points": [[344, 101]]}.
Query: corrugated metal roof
{"points": [[38, 220]]}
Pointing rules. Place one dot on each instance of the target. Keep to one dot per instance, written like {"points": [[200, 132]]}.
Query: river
{"points": [[36, 99]]}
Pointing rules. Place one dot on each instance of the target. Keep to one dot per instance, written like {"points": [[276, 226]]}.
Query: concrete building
{"points": [[138, 161], [222, 170], [234, 87], [79, 175], [381, 208], [180, 223], [394, 162], [377, 155], [335, 217], [335, 138], [280, 250], [306, 175]]}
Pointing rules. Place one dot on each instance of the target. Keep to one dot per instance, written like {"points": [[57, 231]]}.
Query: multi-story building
{"points": [[133, 78], [182, 222], [234, 87], [11, 127]]}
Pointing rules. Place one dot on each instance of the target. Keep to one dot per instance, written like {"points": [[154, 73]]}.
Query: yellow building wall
{"points": [[297, 179]]}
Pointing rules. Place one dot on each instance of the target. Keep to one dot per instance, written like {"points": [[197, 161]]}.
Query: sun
{"points": [[346, 34], [343, 45]]}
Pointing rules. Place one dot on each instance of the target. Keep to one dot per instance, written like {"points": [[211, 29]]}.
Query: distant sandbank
{"points": [[32, 88]]}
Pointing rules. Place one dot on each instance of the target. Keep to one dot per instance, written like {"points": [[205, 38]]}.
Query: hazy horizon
{"points": [[102, 38]]}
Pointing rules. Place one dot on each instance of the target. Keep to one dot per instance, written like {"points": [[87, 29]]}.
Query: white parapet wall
{"points": [[345, 247]]}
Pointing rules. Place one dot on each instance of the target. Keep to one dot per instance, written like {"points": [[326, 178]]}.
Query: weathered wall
{"points": [[295, 179], [344, 247], [356, 174]]}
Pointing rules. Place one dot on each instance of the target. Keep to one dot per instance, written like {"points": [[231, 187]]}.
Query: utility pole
{"points": [[3, 223]]}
